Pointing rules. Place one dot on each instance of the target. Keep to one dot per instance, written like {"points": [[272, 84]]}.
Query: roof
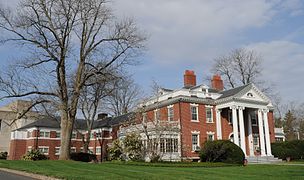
{"points": [[48, 122], [232, 92]]}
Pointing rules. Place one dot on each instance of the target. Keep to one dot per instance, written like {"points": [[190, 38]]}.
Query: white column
{"points": [[242, 129], [250, 139], [235, 126], [218, 124], [261, 132], [267, 137]]}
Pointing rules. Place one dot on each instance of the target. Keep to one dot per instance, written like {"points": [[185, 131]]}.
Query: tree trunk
{"points": [[66, 132]]}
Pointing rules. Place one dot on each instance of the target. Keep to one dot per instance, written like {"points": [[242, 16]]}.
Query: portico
{"points": [[247, 115]]}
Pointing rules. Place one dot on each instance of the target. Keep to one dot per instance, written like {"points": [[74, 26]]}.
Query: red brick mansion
{"points": [[198, 113]]}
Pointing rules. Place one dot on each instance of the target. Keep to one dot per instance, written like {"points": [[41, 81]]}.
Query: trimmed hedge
{"points": [[222, 151], [293, 149], [83, 157]]}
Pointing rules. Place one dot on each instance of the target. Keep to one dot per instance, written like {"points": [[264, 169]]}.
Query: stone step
{"points": [[263, 160]]}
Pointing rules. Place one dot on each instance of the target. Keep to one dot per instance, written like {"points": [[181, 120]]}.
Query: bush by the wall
{"points": [[3, 155], [221, 151], [84, 157], [34, 155], [292, 149]]}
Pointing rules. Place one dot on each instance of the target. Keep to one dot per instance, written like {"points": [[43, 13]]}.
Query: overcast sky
{"points": [[189, 34]]}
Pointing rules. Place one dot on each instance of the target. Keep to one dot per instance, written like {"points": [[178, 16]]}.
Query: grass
{"points": [[78, 170]]}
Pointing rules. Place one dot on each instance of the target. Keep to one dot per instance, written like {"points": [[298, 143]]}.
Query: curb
{"points": [[26, 174]]}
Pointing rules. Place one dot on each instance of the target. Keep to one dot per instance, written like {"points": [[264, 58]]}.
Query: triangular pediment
{"points": [[252, 93]]}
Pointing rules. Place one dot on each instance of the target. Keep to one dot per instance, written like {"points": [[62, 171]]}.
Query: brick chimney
{"points": [[189, 78], [217, 82]]}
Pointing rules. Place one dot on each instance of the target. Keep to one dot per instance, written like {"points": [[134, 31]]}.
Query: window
{"points": [[255, 140], [81, 149], [253, 117], [57, 150], [98, 150], [194, 110], [162, 145], [29, 148], [209, 116], [144, 117], [0, 124], [73, 149], [74, 135], [168, 145], [58, 134], [44, 150], [29, 134], [170, 113], [91, 150], [230, 116], [210, 136], [194, 142], [92, 135], [156, 115], [44, 134]]}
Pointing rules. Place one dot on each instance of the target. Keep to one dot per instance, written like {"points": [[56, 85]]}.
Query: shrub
{"points": [[115, 151], [34, 155], [293, 149], [3, 155], [222, 151], [83, 157]]}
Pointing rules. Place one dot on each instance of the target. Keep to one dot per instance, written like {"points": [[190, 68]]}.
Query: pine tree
{"points": [[289, 126]]}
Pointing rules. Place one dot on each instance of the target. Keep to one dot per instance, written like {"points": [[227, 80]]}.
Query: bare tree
{"points": [[240, 67], [90, 102], [124, 97], [68, 42]]}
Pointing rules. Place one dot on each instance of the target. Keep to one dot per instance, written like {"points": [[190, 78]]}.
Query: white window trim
{"points": [[91, 149], [156, 115], [46, 147], [168, 111], [74, 148], [58, 152], [59, 136], [197, 116], [75, 135], [44, 137], [198, 139], [211, 109], [210, 133], [98, 147], [29, 147]]}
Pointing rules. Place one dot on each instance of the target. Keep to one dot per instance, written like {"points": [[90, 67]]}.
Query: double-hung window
{"points": [[209, 117], [44, 150], [44, 134], [170, 113], [194, 112], [195, 142]]}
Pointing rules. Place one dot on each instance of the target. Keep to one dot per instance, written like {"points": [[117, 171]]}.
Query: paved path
{"points": [[11, 176]]}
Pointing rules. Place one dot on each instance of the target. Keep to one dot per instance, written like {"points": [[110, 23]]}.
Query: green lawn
{"points": [[78, 170]]}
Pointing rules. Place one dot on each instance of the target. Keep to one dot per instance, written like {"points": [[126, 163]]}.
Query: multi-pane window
{"points": [[58, 134], [170, 113], [57, 150], [168, 145], [194, 142], [156, 115], [253, 117], [209, 116], [29, 148], [92, 135], [98, 150], [194, 115], [74, 135], [91, 150], [210, 137], [230, 116], [73, 149], [44, 150], [255, 140], [162, 145], [44, 134]]}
